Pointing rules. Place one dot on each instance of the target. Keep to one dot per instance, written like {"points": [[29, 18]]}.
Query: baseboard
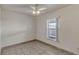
{"points": [[17, 44], [39, 41]]}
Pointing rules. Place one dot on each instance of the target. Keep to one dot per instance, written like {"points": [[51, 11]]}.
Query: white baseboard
{"points": [[59, 47], [14, 43]]}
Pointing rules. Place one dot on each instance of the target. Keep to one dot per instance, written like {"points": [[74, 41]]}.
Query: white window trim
{"points": [[56, 29]]}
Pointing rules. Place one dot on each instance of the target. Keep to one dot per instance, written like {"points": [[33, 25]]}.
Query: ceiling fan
{"points": [[36, 10]]}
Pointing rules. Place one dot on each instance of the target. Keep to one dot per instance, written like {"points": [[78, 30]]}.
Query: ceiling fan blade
{"points": [[33, 7], [42, 9]]}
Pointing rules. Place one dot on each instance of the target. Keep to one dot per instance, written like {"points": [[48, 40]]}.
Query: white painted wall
{"points": [[0, 30], [16, 28], [68, 31]]}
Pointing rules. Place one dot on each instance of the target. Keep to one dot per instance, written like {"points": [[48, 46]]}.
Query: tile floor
{"points": [[33, 48]]}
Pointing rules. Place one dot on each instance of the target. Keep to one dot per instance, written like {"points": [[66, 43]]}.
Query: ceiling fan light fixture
{"points": [[38, 12], [34, 12]]}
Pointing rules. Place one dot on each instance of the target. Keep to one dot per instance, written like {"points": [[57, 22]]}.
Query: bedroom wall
{"points": [[17, 28], [68, 28], [0, 30]]}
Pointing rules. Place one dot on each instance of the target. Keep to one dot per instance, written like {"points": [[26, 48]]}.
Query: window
{"points": [[52, 29]]}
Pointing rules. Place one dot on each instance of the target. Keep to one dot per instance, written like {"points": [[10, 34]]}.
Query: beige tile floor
{"points": [[33, 48]]}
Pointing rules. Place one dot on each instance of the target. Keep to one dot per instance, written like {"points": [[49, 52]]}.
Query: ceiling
{"points": [[26, 8]]}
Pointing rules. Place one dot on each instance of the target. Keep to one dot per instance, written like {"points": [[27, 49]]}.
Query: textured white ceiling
{"points": [[26, 8]]}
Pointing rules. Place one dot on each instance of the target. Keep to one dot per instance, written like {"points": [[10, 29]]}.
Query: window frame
{"points": [[56, 38]]}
